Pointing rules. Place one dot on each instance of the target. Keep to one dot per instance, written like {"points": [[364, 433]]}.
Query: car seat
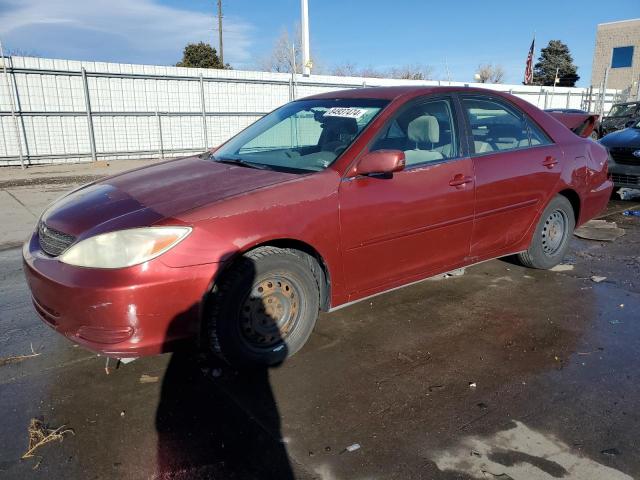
{"points": [[423, 133]]}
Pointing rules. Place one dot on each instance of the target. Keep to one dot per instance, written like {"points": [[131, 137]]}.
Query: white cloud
{"points": [[116, 30]]}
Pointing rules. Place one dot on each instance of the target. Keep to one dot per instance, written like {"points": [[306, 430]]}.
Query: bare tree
{"points": [[406, 72], [285, 55], [372, 72], [347, 69], [489, 73], [412, 72]]}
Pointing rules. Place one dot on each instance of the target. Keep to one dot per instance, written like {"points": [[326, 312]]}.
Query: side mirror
{"points": [[381, 162]]}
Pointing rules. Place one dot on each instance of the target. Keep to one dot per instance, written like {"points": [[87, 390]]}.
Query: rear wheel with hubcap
{"points": [[265, 307], [552, 235]]}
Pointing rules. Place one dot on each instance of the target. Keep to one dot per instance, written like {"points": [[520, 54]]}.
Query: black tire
{"points": [[264, 308], [552, 235], [614, 194]]}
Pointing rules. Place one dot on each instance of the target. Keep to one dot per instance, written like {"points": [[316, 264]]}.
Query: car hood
{"points": [[152, 194], [629, 137]]}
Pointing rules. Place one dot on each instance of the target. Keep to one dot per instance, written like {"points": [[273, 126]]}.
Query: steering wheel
{"points": [[335, 146]]}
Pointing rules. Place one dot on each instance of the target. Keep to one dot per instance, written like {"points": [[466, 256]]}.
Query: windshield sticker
{"points": [[345, 112]]}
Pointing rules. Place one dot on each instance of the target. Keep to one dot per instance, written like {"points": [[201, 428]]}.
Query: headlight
{"points": [[124, 248]]}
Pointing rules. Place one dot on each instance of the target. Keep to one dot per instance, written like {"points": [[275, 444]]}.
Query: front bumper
{"points": [[136, 311], [625, 175]]}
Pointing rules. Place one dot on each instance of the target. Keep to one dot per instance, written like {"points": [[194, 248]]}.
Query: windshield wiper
{"points": [[242, 163]]}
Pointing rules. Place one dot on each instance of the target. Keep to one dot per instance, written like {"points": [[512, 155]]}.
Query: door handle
{"points": [[550, 162], [459, 181]]}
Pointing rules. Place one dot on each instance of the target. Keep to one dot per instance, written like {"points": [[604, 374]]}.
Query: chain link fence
{"points": [[57, 111]]}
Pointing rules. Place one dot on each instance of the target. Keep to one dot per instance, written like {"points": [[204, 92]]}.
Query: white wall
{"points": [[53, 127]]}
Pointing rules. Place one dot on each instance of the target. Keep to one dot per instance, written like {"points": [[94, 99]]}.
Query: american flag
{"points": [[528, 71]]}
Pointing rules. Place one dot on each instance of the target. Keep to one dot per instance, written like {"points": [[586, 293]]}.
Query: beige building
{"points": [[618, 51]]}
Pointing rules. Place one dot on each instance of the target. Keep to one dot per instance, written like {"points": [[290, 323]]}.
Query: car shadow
{"points": [[215, 422]]}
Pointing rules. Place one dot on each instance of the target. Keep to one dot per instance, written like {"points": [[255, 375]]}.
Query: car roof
{"points": [[391, 93]]}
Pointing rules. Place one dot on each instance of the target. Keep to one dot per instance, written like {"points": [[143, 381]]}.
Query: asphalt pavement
{"points": [[503, 372]]}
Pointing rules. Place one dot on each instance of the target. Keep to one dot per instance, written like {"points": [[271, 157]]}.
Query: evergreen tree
{"points": [[201, 55], [555, 56]]}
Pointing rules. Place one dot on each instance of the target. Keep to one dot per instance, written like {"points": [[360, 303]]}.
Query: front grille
{"points": [[620, 178], [625, 156], [52, 241]]}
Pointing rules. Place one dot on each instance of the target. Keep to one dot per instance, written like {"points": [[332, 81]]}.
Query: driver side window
{"points": [[425, 132]]}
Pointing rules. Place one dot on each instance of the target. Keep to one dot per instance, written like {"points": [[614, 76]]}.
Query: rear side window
{"points": [[425, 132], [496, 127], [537, 136]]}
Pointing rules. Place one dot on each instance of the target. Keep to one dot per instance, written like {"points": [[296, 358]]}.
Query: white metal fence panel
{"points": [[70, 111]]}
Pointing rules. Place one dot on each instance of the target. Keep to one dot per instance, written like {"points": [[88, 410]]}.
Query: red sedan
{"points": [[325, 201]]}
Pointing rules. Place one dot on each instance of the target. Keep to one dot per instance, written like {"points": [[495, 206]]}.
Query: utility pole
{"points": [[446, 68], [220, 51], [306, 60]]}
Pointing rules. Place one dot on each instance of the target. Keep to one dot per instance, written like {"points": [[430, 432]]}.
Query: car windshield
{"points": [[301, 136], [622, 110]]}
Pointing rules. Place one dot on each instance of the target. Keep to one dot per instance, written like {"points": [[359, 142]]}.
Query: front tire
{"points": [[552, 235], [264, 308]]}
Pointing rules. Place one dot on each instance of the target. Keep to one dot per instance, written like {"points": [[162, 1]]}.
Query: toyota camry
{"points": [[326, 201]]}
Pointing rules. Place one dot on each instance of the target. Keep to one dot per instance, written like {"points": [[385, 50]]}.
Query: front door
{"points": [[419, 221]]}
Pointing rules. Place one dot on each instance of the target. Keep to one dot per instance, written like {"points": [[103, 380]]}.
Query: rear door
{"points": [[396, 229], [516, 165]]}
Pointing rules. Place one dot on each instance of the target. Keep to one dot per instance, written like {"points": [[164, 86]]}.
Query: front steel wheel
{"points": [[264, 308], [552, 235], [270, 312]]}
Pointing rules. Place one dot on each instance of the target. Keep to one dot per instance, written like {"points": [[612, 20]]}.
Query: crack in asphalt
{"points": [[10, 380], [20, 202]]}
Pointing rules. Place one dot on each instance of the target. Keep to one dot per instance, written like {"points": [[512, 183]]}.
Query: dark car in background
{"points": [[624, 158], [620, 116]]}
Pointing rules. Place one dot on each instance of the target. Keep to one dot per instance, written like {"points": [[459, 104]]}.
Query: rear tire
{"points": [[552, 235], [264, 308]]}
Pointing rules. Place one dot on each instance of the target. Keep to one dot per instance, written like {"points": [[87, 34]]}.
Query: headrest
{"points": [[424, 129]]}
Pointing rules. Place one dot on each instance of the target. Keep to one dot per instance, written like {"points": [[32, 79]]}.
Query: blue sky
{"points": [[370, 33]]}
